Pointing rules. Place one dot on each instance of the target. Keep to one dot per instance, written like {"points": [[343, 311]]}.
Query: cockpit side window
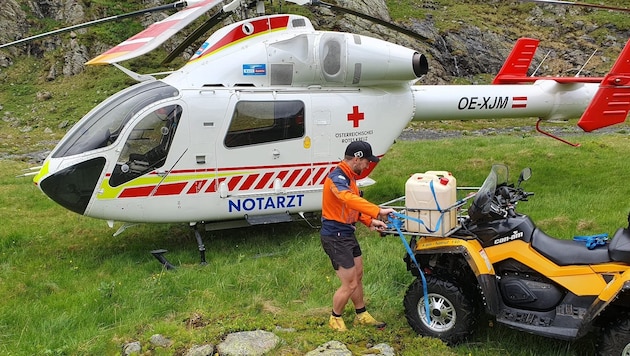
{"points": [[256, 122], [148, 144]]}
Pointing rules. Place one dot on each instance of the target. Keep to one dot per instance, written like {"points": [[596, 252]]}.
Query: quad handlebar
{"points": [[497, 199]]}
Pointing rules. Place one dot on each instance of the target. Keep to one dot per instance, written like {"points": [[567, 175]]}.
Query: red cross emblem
{"points": [[355, 116]]}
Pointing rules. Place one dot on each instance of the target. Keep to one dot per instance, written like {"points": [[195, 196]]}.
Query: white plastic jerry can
{"points": [[425, 195]]}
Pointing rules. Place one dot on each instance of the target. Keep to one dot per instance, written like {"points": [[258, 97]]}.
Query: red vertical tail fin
{"points": [[611, 103], [518, 62]]}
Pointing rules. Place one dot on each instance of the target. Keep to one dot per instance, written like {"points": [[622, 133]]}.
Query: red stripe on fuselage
{"points": [[263, 182], [293, 175], [197, 186], [249, 181], [163, 189], [259, 26]]}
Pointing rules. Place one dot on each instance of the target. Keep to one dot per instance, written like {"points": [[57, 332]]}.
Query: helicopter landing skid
{"points": [[202, 248], [159, 254]]}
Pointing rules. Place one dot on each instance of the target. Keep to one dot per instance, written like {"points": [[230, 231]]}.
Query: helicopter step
{"points": [[268, 219]]}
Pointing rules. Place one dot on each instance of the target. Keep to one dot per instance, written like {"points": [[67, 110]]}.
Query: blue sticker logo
{"points": [[202, 48], [254, 69]]}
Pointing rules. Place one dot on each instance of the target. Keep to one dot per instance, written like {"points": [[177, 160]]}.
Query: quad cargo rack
{"points": [[431, 221]]}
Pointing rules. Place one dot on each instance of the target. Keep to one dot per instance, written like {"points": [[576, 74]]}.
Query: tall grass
{"points": [[68, 287]]}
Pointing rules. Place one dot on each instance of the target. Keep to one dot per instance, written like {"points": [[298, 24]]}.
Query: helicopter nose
{"points": [[73, 187]]}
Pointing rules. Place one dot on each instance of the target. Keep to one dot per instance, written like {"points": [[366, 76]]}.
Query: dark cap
{"points": [[361, 149]]}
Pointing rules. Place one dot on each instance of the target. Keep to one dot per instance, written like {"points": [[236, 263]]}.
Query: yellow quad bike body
{"points": [[497, 260]]}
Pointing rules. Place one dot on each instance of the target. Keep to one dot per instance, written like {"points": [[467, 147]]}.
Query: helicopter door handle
{"points": [[162, 173], [275, 153]]}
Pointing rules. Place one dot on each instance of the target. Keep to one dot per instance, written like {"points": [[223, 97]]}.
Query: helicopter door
{"points": [[208, 112], [263, 146], [148, 145], [321, 134]]}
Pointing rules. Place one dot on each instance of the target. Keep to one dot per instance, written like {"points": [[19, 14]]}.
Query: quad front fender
{"points": [[474, 256]]}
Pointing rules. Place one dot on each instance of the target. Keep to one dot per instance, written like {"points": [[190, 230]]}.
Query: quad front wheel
{"points": [[452, 313]]}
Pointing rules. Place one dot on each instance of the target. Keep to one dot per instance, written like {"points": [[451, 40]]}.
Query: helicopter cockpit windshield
{"points": [[101, 127]]}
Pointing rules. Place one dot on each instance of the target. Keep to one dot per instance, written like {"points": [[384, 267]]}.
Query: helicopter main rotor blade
{"points": [[582, 4], [198, 32], [205, 27], [172, 6], [376, 20], [154, 35]]}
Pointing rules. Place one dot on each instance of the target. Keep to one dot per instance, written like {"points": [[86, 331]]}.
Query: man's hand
{"points": [[378, 225], [383, 214]]}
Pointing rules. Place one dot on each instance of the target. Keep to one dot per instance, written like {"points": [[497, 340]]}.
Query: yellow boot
{"points": [[366, 319], [337, 323]]}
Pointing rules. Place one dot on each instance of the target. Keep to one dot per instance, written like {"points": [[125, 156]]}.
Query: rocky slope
{"points": [[463, 44]]}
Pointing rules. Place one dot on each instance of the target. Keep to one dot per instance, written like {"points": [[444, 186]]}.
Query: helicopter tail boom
{"points": [[546, 99], [597, 101]]}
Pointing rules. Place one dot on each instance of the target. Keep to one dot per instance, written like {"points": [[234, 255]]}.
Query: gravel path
{"points": [[436, 134]]}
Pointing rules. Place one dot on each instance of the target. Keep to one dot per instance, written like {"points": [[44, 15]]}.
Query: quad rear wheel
{"points": [[452, 314]]}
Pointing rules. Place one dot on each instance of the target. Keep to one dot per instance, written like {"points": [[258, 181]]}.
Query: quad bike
{"points": [[497, 260]]}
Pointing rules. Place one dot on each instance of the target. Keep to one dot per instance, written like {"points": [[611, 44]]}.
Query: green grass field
{"points": [[68, 287]]}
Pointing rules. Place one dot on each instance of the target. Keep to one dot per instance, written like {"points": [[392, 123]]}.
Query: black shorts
{"points": [[341, 249]]}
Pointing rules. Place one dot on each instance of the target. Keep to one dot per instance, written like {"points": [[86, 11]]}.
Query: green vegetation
{"points": [[68, 287]]}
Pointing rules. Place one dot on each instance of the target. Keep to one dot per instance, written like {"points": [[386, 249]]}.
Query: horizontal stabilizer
{"points": [[518, 62], [154, 35], [514, 70], [611, 103]]}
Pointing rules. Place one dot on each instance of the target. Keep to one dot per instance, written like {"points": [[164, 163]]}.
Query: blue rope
{"points": [[593, 241], [396, 223]]}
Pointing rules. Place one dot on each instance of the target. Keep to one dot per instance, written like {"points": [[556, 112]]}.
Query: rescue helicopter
{"points": [[246, 132]]}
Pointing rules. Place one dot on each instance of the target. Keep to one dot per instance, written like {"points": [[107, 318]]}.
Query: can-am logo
{"points": [[515, 235]]}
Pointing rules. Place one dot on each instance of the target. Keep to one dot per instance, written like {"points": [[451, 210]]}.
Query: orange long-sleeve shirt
{"points": [[342, 206]]}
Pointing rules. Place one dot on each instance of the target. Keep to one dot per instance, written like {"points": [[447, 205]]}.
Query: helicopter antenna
{"points": [[165, 174], [176, 5], [541, 63], [588, 60]]}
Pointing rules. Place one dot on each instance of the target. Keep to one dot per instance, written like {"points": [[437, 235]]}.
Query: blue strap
{"points": [[396, 223], [437, 226], [437, 204], [593, 241]]}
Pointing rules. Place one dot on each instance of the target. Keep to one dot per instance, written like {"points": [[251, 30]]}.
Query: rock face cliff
{"points": [[464, 51]]}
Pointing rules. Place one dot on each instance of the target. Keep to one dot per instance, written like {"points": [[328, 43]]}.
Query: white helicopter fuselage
{"points": [[252, 125], [300, 99], [202, 179]]}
